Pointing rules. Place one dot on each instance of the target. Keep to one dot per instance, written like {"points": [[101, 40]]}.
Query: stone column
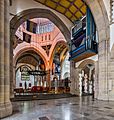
{"points": [[8, 106], [111, 60], [48, 81], [72, 85], [86, 83], [90, 81], [74, 77], [103, 70], [2, 106], [80, 84], [5, 104], [96, 82], [112, 25], [12, 68]]}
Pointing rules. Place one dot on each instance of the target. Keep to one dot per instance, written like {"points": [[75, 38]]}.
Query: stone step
{"points": [[41, 97]]}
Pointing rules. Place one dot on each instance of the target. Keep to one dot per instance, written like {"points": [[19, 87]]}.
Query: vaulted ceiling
{"points": [[72, 9]]}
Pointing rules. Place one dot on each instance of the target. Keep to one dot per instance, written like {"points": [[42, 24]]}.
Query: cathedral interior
{"points": [[56, 59]]}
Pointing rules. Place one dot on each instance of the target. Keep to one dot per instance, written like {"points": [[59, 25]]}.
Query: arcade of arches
{"points": [[56, 47]]}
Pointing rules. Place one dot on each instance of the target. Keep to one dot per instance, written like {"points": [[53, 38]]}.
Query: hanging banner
{"points": [[31, 26], [26, 37]]}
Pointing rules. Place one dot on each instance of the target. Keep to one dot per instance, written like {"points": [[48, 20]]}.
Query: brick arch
{"points": [[21, 51]]}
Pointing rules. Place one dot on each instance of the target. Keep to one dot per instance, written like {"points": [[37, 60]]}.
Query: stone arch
{"points": [[66, 75], [54, 49], [96, 7], [58, 41], [25, 55], [64, 52], [86, 62], [19, 53], [18, 19], [29, 66]]}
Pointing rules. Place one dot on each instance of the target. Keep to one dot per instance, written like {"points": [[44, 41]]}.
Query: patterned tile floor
{"points": [[74, 108]]}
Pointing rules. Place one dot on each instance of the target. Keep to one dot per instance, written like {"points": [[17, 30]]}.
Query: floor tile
{"points": [[73, 108]]}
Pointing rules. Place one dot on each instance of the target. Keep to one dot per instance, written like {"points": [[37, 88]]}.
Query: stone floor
{"points": [[73, 108]]}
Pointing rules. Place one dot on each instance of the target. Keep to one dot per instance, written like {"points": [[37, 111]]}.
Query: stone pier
{"points": [[5, 104]]}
